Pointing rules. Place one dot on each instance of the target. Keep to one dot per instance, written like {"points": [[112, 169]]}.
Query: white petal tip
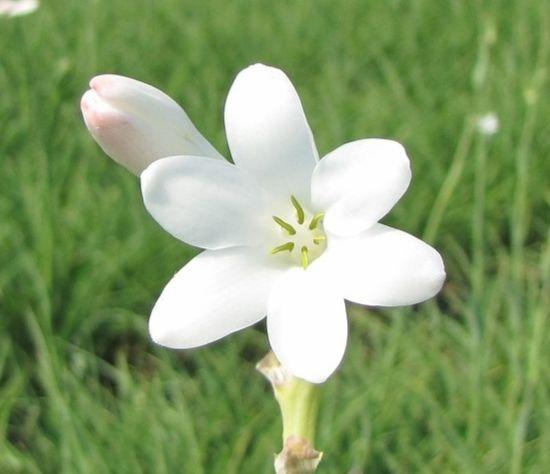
{"points": [[163, 328], [161, 336], [88, 107], [312, 373], [88, 100], [157, 336], [98, 83], [98, 114], [313, 378], [262, 72], [259, 67], [437, 278], [433, 276]]}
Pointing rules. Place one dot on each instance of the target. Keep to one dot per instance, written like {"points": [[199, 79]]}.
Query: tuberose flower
{"points": [[285, 234]]}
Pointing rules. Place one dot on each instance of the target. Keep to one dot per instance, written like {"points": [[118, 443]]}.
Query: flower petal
{"points": [[136, 124], [205, 202], [268, 133], [358, 183], [215, 294], [307, 325], [383, 267]]}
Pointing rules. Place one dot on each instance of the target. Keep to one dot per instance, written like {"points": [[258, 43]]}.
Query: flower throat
{"points": [[305, 236]]}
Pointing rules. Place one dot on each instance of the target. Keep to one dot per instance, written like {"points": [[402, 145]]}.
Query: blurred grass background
{"points": [[459, 384]]}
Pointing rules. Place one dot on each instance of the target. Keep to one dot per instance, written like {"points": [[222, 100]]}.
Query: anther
{"points": [[319, 239], [300, 215], [285, 225], [317, 218], [282, 248], [305, 257]]}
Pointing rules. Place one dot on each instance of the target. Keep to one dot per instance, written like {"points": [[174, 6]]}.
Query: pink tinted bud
{"points": [[136, 124]]}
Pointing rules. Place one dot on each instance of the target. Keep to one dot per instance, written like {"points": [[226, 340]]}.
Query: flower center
{"points": [[304, 236]]}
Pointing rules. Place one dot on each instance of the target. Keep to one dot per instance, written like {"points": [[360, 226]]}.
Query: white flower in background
{"points": [[13, 8], [488, 124], [286, 235]]}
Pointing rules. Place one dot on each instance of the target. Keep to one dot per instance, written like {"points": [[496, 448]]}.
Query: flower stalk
{"points": [[299, 404]]}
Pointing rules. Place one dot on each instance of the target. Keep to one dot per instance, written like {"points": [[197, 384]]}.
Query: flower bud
{"points": [[136, 124]]}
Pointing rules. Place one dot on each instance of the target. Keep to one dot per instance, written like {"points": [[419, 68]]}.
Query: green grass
{"points": [[459, 384]]}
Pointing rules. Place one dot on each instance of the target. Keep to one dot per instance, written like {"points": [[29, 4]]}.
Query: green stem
{"points": [[299, 404]]}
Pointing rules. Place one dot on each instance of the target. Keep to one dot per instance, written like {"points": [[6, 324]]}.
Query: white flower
{"points": [[286, 235], [18, 7], [488, 124], [136, 124]]}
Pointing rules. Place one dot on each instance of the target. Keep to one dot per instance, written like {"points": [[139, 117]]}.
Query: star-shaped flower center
{"points": [[304, 236]]}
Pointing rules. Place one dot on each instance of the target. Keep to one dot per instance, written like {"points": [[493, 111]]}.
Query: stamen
{"points": [[315, 221], [282, 248], [305, 257], [285, 225], [320, 238], [299, 210]]}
